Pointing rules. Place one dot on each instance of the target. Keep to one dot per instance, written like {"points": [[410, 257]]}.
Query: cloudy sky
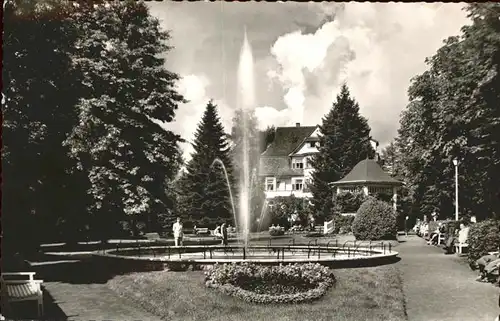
{"points": [[302, 53]]}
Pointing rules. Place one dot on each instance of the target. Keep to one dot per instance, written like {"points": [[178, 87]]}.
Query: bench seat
{"points": [[202, 230], [460, 246], [21, 290]]}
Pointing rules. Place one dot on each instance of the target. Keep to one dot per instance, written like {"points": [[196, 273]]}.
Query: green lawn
{"points": [[373, 293]]}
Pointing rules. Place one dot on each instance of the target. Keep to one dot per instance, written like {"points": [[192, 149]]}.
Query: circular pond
{"points": [[261, 254]]}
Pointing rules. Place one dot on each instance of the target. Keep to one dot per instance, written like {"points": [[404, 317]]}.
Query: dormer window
{"points": [[312, 144], [297, 163]]}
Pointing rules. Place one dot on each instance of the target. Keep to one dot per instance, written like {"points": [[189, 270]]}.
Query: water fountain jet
{"points": [[246, 101]]}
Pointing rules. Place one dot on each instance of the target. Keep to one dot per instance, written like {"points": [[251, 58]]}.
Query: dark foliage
{"points": [[203, 191], [483, 237]]}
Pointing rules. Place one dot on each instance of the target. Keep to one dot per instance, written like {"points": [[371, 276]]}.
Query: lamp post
{"points": [[455, 162]]}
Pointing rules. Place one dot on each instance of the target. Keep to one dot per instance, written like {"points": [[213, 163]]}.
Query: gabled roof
{"points": [[367, 171], [278, 166], [287, 139]]}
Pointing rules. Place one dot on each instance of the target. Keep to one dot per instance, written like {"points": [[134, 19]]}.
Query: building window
{"points": [[297, 163], [298, 185], [312, 144], [270, 184]]}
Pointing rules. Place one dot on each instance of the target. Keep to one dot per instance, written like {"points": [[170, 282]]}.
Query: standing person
{"points": [[406, 225], [223, 231], [178, 234]]}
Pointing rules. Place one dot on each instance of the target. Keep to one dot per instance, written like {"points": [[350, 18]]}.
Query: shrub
{"points": [[281, 208], [343, 224], [375, 220], [291, 283], [276, 231], [483, 237], [349, 202]]}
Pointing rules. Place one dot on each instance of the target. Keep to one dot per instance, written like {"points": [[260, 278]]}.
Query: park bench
{"points": [[16, 290], [441, 238], [459, 247], [202, 230], [152, 236]]}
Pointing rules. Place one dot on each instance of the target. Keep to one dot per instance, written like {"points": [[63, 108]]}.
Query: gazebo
{"points": [[368, 176]]}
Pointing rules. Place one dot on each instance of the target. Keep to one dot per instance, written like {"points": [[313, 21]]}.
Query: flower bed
{"points": [[291, 283]]}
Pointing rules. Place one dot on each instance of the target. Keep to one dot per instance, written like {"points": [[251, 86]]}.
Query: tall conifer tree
{"points": [[345, 141], [205, 195]]}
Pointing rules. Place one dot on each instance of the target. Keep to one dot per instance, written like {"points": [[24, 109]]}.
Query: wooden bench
{"points": [[459, 247], [441, 238], [202, 230], [21, 290], [152, 236]]}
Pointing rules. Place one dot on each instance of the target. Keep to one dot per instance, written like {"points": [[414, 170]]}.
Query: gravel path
{"points": [[438, 288]]}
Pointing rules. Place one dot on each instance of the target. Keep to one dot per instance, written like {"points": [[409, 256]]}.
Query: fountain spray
{"points": [[246, 101]]}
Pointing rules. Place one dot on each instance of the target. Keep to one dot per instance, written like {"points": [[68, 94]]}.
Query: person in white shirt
{"points": [[217, 231], [178, 234], [463, 234]]}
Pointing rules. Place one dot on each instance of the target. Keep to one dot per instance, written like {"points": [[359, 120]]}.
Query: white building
{"points": [[285, 166]]}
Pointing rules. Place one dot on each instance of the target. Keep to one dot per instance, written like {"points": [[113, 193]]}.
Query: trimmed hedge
{"points": [[375, 220], [292, 283], [483, 237]]}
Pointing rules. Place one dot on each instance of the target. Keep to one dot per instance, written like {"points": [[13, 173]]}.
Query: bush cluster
{"points": [[349, 202], [276, 231], [343, 224], [483, 237], [375, 220], [290, 283]]}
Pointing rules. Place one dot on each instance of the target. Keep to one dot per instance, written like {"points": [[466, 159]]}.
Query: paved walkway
{"points": [[438, 288], [74, 286], [94, 302]]}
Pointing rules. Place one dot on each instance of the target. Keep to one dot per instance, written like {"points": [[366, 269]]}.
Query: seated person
{"points": [[488, 267], [416, 228], [450, 238], [456, 236], [217, 231], [433, 239], [463, 234], [424, 228]]}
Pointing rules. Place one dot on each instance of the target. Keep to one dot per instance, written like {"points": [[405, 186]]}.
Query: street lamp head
{"points": [[455, 161]]}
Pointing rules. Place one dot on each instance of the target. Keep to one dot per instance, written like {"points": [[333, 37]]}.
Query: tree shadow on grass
{"points": [[366, 263], [74, 272]]}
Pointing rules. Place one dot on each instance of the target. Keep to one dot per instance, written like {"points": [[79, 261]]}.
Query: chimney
{"points": [[297, 124]]}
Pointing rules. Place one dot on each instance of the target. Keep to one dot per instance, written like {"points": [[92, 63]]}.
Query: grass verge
{"points": [[373, 293]]}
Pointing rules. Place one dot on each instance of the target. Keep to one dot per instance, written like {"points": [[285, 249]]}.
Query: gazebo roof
{"points": [[368, 171]]}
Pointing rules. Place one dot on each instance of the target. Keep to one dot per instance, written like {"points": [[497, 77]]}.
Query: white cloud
{"points": [[376, 48], [300, 62], [188, 116], [269, 116]]}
